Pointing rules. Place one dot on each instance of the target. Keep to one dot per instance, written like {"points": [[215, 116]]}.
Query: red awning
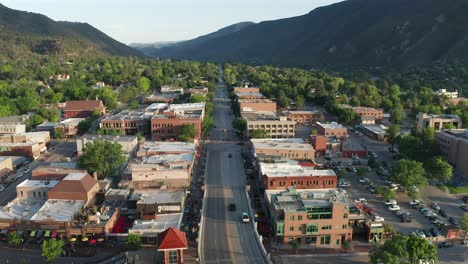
{"points": [[54, 234]]}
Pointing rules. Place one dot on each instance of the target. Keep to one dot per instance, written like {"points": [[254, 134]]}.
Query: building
{"points": [[375, 132], [6, 163], [158, 176], [257, 105], [332, 129], [151, 203], [156, 108], [48, 173], [172, 243], [438, 122], [351, 149], [34, 189], [83, 108], [305, 117], [367, 120], [161, 97], [276, 126], [292, 148], [30, 150], [76, 186], [167, 126], [246, 90], [11, 129], [48, 127], [153, 148], [453, 144], [366, 111], [282, 176], [444, 92], [150, 229], [199, 90], [311, 217], [129, 143], [167, 89], [68, 128], [128, 122]]}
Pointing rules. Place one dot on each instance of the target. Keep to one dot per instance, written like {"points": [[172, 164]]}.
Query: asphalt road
{"points": [[225, 239]]}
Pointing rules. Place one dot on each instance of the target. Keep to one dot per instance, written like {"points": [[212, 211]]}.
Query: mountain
{"points": [[157, 45], [23, 34], [357, 33]]}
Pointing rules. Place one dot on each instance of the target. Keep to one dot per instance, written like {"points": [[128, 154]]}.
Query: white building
{"points": [[444, 92]]}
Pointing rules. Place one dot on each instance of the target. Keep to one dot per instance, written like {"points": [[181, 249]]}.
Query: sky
{"points": [[145, 21]]}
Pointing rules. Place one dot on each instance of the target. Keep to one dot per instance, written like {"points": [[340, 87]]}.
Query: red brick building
{"points": [[350, 149], [332, 129], [307, 117], [76, 186], [257, 105], [83, 108], [282, 176], [172, 243]]}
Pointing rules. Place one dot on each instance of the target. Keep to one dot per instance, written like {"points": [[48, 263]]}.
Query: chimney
{"points": [[95, 176]]}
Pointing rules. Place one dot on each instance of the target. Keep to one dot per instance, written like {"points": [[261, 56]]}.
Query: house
{"points": [[83, 108], [172, 243]]}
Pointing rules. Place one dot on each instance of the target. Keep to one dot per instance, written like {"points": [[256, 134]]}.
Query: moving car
{"points": [[245, 217], [445, 245], [394, 207], [26, 170]]}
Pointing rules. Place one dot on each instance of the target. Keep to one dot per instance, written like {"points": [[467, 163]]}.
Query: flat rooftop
{"points": [[332, 125], [294, 199], [377, 129], [287, 143], [20, 209], [72, 121], [37, 184], [263, 116], [129, 115], [48, 124], [352, 145], [459, 133], [247, 94], [156, 226], [54, 170], [284, 170], [75, 176], [122, 192], [313, 112], [22, 144], [158, 196], [92, 137], [169, 158], [156, 107], [163, 147], [58, 210], [255, 101], [186, 107]]}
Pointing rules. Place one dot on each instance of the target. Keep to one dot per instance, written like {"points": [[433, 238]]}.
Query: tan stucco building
{"points": [[276, 126], [438, 122]]}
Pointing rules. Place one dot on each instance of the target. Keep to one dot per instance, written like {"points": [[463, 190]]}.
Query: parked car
{"points": [[453, 221], [415, 203], [407, 219], [26, 170], [394, 207], [445, 245], [443, 213], [2, 188], [435, 232], [465, 199], [420, 233], [435, 206], [465, 207], [363, 180], [378, 218], [245, 217], [391, 202], [361, 200]]}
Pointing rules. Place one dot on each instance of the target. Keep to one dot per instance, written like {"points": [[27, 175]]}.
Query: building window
{"points": [[311, 240], [325, 240], [173, 257], [21, 193], [299, 217], [291, 228], [345, 216], [291, 217], [326, 227], [345, 226], [337, 242], [312, 228]]}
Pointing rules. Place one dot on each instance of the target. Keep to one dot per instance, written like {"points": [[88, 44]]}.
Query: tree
{"points": [[208, 123], [33, 121], [14, 238], [240, 124], [133, 240], [386, 192], [143, 84], [294, 246], [133, 104], [408, 173], [51, 249], [397, 114], [438, 168], [392, 134], [260, 133], [403, 249], [361, 172], [299, 102], [464, 222], [59, 133], [102, 157], [187, 132], [449, 126], [346, 245], [197, 98]]}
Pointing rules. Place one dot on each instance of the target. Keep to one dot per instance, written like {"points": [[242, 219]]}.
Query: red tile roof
{"points": [[172, 239], [83, 105]]}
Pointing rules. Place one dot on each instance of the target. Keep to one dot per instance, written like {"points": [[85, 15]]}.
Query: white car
{"points": [[435, 206], [415, 203], [19, 175], [378, 218], [394, 186], [2, 188], [245, 217], [420, 233], [26, 170], [361, 200], [394, 207], [391, 202], [363, 180]]}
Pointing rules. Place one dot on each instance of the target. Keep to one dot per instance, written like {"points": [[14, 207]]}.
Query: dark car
{"points": [[435, 232], [465, 199], [445, 245], [407, 219], [232, 207], [443, 213], [453, 221]]}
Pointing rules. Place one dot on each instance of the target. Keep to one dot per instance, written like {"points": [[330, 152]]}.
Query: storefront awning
{"points": [[4, 231], [33, 233], [54, 234], [47, 233]]}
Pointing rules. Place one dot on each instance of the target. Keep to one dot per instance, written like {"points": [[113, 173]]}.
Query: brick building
{"points": [[257, 105], [246, 90], [276, 126], [292, 148], [151, 202], [68, 127], [281, 176], [351, 149], [326, 146], [34, 189], [45, 173], [83, 108], [311, 217], [166, 126], [31, 150], [332, 129], [305, 117], [12, 124], [129, 143], [76, 186], [453, 144], [172, 244], [152, 148], [128, 122]]}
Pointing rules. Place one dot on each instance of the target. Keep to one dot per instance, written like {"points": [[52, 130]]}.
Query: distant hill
{"points": [[358, 33], [24, 33]]}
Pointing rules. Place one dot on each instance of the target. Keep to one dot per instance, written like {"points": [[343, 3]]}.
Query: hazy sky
{"points": [[162, 20]]}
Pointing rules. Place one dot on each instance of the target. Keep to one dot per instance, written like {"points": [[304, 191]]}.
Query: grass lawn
{"points": [[457, 190]]}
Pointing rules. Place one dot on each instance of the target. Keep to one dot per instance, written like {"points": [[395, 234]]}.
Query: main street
{"points": [[225, 239]]}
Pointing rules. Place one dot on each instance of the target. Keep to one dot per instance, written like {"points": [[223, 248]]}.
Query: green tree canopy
{"points": [[51, 249], [260, 133], [187, 132], [133, 240], [143, 84], [408, 173], [438, 168], [102, 157], [392, 134], [403, 249], [14, 238], [239, 124], [464, 222], [197, 98]]}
